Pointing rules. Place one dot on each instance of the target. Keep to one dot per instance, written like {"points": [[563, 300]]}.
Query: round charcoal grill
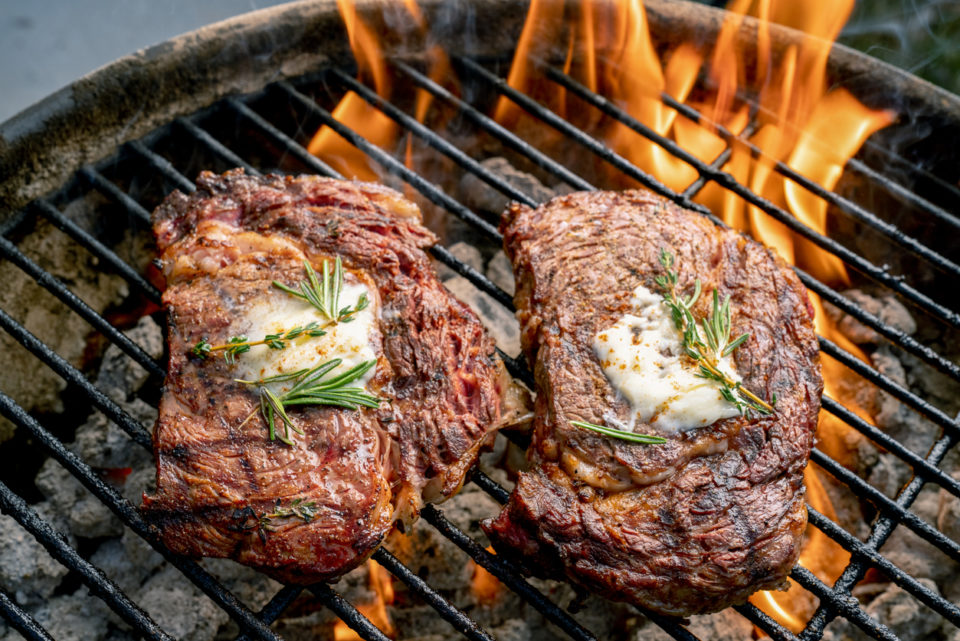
{"points": [[250, 92]]}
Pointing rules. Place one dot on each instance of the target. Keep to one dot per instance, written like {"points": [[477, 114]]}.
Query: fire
{"points": [[353, 111], [382, 586], [794, 120], [484, 587], [799, 123]]}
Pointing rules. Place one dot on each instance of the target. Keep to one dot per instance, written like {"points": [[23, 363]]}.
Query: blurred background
{"points": [[47, 44]]}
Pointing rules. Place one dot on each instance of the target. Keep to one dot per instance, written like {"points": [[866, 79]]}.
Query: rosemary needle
{"points": [[324, 292], [310, 387], [633, 437]]}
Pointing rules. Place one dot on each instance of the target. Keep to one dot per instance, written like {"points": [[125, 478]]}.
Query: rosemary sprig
{"points": [[645, 439], [237, 345], [310, 387], [263, 523], [713, 344], [324, 292]]}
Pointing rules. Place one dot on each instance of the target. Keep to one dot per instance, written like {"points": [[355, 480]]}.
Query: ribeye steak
{"points": [[312, 510], [717, 512]]}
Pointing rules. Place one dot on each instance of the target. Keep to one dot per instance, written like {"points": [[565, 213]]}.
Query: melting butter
{"points": [[642, 356], [279, 312]]}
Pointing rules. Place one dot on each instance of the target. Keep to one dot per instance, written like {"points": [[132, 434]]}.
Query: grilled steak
{"points": [[312, 510], [701, 522]]}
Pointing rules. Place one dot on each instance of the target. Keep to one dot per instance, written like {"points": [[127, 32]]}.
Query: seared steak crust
{"points": [[703, 521], [216, 474]]}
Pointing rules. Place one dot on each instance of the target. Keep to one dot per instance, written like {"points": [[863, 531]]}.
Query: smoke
{"points": [[920, 37]]}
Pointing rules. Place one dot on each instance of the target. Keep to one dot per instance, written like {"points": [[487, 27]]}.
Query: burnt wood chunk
{"points": [[716, 513]]}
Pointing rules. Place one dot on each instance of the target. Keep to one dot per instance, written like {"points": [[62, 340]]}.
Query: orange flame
{"points": [[484, 587], [382, 585], [352, 110], [798, 124]]}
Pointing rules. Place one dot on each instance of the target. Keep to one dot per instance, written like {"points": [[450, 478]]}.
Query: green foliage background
{"points": [[921, 37]]}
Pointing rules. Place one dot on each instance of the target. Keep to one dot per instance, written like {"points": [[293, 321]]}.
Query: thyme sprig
{"points": [[310, 387], [709, 341], [323, 292], [633, 437], [241, 344], [706, 343], [263, 523]]}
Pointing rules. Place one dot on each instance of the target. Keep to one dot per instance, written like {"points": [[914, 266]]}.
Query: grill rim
{"points": [[832, 596], [326, 595]]}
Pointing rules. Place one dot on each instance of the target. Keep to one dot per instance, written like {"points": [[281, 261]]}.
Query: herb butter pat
{"points": [[642, 356], [278, 312]]}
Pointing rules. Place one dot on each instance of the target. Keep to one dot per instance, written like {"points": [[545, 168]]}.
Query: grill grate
{"points": [[279, 145]]}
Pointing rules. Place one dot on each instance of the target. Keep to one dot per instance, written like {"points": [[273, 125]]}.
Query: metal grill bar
{"points": [[282, 600], [215, 146], [96, 180], [482, 283], [694, 188], [21, 621], [433, 193], [845, 205], [9, 251], [347, 613], [432, 139], [131, 517], [162, 165], [766, 623], [880, 532], [935, 602], [96, 248], [490, 486], [444, 608], [884, 440], [486, 123], [900, 191], [849, 607], [288, 144], [108, 591], [723, 179], [578, 135]]}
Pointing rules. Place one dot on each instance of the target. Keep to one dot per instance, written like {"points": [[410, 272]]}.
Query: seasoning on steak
{"points": [[316, 509], [701, 522]]}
